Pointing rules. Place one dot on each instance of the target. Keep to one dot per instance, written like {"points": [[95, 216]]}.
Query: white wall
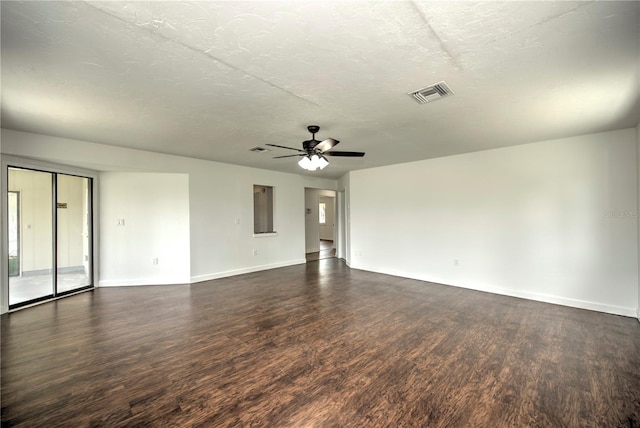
{"points": [[220, 202], [545, 221], [222, 241], [551, 221], [344, 186], [340, 225], [154, 210]]}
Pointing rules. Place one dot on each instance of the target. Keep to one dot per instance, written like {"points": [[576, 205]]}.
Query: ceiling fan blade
{"points": [[325, 145], [284, 147], [345, 154], [289, 156]]}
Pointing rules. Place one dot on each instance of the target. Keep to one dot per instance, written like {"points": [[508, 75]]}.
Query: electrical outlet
{"points": [[155, 260], [255, 252], [456, 262], [120, 222]]}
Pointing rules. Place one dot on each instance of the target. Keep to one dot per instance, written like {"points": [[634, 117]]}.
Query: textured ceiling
{"points": [[213, 79]]}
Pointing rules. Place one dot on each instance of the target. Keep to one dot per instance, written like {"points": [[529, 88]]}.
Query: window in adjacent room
{"points": [[262, 209], [322, 211]]}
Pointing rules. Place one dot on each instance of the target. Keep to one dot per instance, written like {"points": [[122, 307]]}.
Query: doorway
{"points": [[320, 224], [50, 235]]}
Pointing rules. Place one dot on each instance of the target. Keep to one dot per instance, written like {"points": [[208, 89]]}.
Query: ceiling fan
{"points": [[314, 151]]}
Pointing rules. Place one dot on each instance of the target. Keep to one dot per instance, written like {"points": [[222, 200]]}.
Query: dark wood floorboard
{"points": [[316, 345], [327, 251]]}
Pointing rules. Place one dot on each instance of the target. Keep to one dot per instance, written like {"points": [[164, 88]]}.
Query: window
{"points": [[262, 209], [322, 211]]}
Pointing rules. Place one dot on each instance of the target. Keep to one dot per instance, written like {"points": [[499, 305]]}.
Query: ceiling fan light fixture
{"points": [[313, 162], [305, 163], [313, 151], [322, 162]]}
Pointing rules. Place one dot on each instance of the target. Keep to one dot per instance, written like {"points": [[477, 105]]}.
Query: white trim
{"points": [[638, 314], [538, 297], [138, 282], [217, 275]]}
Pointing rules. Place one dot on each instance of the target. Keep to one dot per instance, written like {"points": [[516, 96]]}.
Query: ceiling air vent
{"points": [[259, 150], [431, 93]]}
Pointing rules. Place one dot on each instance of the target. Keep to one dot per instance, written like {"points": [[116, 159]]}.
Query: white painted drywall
{"points": [[551, 221], [340, 225], [220, 203], [344, 186], [222, 221], [311, 228], [154, 210]]}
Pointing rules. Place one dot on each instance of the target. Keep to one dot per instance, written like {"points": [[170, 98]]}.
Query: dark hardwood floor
{"points": [[326, 251], [316, 345]]}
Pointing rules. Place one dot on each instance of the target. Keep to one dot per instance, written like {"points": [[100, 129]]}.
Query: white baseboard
{"points": [[225, 274], [138, 282], [539, 297], [197, 278]]}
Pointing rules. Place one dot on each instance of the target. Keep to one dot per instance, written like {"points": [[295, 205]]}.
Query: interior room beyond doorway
{"points": [[320, 224], [327, 250]]}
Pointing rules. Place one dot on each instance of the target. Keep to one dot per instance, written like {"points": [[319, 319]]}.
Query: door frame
{"points": [[19, 162], [309, 209], [18, 232], [334, 238], [341, 230]]}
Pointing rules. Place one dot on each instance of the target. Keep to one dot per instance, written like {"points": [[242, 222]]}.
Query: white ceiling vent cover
{"points": [[432, 93]]}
